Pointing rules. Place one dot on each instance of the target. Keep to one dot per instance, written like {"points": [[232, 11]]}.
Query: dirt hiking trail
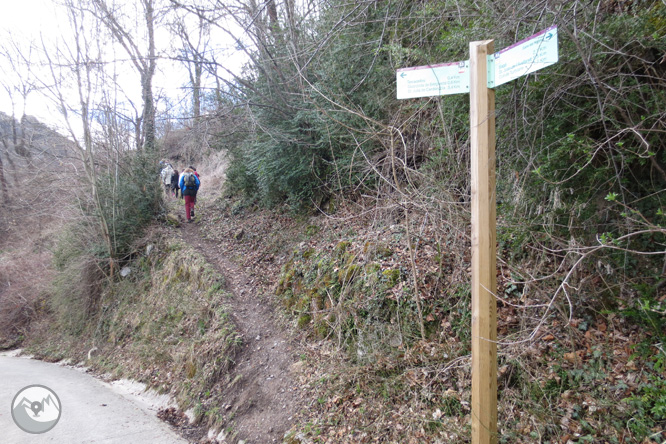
{"points": [[263, 398]]}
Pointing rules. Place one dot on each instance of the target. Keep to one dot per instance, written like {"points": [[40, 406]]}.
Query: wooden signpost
{"points": [[484, 307], [478, 76]]}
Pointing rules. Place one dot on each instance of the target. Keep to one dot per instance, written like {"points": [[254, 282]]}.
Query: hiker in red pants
{"points": [[189, 185], [195, 193]]}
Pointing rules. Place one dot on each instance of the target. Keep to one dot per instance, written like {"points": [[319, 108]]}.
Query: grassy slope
{"points": [[345, 283], [165, 325]]}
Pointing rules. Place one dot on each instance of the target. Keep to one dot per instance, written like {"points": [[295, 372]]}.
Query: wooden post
{"points": [[484, 278]]}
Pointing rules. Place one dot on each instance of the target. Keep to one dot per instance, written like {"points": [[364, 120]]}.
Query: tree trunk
{"points": [[148, 117], [196, 89], [4, 196], [147, 80], [272, 15]]}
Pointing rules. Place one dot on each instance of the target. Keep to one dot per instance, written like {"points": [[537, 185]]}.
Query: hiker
{"points": [[189, 185], [166, 172], [174, 183], [195, 194]]}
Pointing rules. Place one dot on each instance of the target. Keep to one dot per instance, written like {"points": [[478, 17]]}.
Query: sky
{"points": [[27, 16], [31, 19], [25, 19]]}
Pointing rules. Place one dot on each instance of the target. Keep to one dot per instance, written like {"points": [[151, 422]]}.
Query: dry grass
{"points": [[24, 278], [30, 220], [213, 174], [165, 325]]}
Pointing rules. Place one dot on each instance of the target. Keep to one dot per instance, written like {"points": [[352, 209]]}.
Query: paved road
{"points": [[92, 412]]}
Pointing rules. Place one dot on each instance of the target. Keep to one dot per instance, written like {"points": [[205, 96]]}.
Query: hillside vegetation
{"points": [[580, 171], [350, 210]]}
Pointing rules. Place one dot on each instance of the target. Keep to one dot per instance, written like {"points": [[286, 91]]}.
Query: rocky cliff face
{"points": [[28, 138]]}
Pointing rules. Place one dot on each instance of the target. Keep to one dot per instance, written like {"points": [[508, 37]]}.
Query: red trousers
{"points": [[189, 205]]}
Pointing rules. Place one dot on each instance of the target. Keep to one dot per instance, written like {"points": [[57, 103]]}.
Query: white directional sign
{"points": [[519, 59], [433, 80], [524, 57]]}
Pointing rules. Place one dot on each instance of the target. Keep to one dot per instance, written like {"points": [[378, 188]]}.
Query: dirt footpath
{"points": [[264, 398]]}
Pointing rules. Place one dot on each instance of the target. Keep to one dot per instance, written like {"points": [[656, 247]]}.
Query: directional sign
{"points": [[524, 57], [433, 80], [486, 73], [519, 59]]}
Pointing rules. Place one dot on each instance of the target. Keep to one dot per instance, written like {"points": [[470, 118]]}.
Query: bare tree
{"points": [[194, 36], [192, 52], [81, 58], [18, 85], [142, 53], [253, 28]]}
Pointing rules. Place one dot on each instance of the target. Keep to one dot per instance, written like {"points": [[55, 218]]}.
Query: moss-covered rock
{"points": [[172, 219], [303, 320], [341, 248], [392, 276]]}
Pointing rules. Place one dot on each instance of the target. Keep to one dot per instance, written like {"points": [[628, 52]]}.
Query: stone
{"points": [[173, 219]]}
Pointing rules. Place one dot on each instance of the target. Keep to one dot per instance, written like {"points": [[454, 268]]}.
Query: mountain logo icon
{"points": [[36, 409]]}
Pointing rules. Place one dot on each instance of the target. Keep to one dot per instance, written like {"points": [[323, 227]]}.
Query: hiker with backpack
{"points": [[174, 183], [195, 194], [189, 185]]}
